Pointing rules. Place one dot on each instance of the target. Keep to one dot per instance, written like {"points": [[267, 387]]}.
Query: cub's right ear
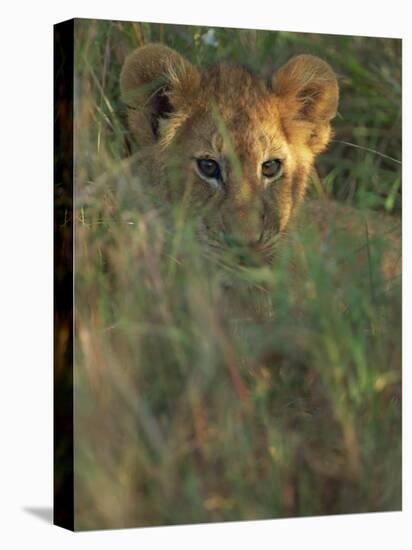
{"points": [[156, 84]]}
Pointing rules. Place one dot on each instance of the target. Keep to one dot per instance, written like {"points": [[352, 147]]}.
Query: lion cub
{"points": [[236, 149]]}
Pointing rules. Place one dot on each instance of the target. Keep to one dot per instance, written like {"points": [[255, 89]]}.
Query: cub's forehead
{"points": [[234, 88], [232, 81], [236, 103]]}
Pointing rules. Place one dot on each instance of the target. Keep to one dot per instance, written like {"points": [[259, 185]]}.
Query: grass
{"points": [[277, 397]]}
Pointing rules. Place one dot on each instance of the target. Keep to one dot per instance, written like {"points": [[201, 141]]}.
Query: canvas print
{"points": [[227, 274]]}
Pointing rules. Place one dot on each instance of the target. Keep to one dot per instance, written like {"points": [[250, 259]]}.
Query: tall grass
{"points": [[277, 396]]}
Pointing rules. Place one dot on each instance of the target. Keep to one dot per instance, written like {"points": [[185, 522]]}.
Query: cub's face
{"points": [[238, 151]]}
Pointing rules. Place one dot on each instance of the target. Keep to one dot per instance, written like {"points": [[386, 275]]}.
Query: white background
{"points": [[26, 272]]}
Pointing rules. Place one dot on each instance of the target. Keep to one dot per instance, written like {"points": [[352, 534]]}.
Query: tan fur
{"points": [[225, 113]]}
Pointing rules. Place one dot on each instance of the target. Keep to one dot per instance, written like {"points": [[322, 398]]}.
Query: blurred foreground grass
{"points": [[278, 396]]}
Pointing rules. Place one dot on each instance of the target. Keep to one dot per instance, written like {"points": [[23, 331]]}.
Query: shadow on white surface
{"points": [[43, 513]]}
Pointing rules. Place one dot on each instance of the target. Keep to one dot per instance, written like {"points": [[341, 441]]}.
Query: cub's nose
{"points": [[246, 252], [243, 224], [247, 231], [248, 241]]}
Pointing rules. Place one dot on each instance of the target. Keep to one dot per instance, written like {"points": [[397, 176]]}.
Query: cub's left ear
{"points": [[308, 92]]}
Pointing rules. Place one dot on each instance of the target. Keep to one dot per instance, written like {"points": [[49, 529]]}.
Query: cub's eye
{"points": [[208, 168], [272, 168]]}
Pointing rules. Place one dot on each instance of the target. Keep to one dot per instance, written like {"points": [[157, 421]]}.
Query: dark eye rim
{"points": [[214, 175], [277, 172]]}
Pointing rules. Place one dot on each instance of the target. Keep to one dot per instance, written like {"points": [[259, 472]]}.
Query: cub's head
{"points": [[242, 148]]}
